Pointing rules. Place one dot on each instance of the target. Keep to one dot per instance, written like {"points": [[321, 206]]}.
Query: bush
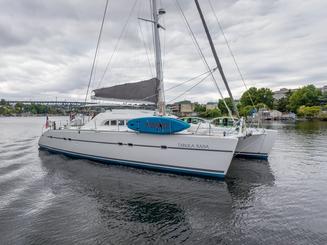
{"points": [[309, 111], [305, 96], [211, 113], [247, 111]]}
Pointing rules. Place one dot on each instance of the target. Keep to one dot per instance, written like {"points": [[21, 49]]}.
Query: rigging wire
{"points": [[203, 57], [164, 39], [186, 91], [182, 83], [231, 52], [191, 79], [145, 48], [96, 50], [117, 43]]}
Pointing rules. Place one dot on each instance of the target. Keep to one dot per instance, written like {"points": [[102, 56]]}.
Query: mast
{"points": [[159, 75], [213, 49]]}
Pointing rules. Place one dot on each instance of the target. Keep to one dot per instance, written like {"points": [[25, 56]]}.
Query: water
{"points": [[52, 199]]}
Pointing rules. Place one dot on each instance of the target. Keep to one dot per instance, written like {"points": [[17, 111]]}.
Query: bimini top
{"points": [[139, 92]]}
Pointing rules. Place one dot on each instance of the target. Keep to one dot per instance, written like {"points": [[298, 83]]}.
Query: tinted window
{"points": [[113, 123], [121, 122], [106, 123]]}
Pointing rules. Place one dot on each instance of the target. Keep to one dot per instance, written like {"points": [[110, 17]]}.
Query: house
{"points": [[289, 116], [211, 105], [183, 108], [282, 93], [324, 89], [276, 115], [264, 114]]}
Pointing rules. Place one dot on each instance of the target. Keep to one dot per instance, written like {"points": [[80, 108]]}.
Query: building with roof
{"points": [[211, 105]]}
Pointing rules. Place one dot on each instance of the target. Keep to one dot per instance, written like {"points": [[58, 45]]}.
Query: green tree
{"points": [[19, 107], [309, 111], [3, 102], [262, 95], [307, 96], [246, 110], [222, 107], [211, 113], [6, 110], [281, 104], [214, 113], [261, 105], [199, 108]]}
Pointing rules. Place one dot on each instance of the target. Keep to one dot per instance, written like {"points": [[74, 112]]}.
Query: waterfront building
{"points": [[211, 105], [183, 108], [324, 89], [282, 93]]}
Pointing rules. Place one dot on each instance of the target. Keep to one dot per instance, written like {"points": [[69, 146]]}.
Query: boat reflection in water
{"points": [[134, 205]]}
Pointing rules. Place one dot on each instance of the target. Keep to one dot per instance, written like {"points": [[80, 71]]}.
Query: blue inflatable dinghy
{"points": [[157, 125]]}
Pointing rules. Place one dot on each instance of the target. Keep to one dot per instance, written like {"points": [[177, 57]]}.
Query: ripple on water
{"points": [[52, 199]]}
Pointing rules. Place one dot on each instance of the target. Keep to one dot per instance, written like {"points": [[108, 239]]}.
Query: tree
{"points": [[3, 102], [211, 113], [281, 104], [309, 111], [260, 106], [222, 107], [214, 113], [262, 95], [307, 96], [199, 108], [265, 96], [19, 107], [247, 110]]}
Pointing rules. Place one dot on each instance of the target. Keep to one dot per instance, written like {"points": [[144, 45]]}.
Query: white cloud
{"points": [[47, 47]]}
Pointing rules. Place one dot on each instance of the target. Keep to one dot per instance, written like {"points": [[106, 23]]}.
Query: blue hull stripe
{"points": [[151, 166], [263, 156]]}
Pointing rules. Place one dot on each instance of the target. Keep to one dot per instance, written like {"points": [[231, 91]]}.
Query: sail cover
{"points": [[141, 92]]}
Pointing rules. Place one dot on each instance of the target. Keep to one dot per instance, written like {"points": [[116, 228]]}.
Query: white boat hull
{"points": [[257, 145], [180, 153]]}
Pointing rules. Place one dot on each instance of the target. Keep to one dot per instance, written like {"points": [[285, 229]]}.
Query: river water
{"points": [[52, 199]]}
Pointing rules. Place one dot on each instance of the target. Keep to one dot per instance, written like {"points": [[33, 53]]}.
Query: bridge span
{"points": [[50, 102]]}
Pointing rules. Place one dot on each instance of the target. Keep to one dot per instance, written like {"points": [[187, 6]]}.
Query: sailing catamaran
{"points": [[253, 142], [145, 139]]}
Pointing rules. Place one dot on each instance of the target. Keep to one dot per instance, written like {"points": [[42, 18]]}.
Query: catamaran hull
{"points": [[179, 153], [257, 145]]}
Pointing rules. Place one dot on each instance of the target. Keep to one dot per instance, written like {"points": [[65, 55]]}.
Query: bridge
{"points": [[63, 103]]}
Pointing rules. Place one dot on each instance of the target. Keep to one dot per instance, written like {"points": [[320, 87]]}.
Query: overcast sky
{"points": [[47, 47]]}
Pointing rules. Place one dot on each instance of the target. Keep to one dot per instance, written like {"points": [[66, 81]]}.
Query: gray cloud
{"points": [[47, 47]]}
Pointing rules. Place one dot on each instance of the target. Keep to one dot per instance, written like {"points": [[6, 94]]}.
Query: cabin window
{"points": [[121, 122], [225, 121], [189, 120], [195, 121], [106, 123], [113, 122]]}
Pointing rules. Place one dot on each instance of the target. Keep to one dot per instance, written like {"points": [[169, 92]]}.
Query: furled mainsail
{"points": [[143, 92]]}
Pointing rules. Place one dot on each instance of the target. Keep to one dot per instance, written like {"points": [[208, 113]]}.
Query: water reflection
{"points": [[154, 211], [311, 127], [52, 199], [162, 205], [246, 175], [300, 127]]}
